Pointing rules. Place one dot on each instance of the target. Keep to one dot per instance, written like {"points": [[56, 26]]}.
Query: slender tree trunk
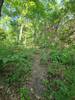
{"points": [[1, 3], [21, 32]]}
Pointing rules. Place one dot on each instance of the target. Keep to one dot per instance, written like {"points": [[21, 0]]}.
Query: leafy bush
{"points": [[60, 82], [15, 63], [65, 56], [24, 94]]}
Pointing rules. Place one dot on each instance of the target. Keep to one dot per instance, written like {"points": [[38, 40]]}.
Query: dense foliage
{"points": [[45, 25]]}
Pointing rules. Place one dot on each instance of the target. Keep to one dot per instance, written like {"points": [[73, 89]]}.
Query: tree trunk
{"points": [[1, 3]]}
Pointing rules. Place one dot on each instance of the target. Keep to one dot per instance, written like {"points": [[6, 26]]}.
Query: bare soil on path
{"points": [[39, 73]]}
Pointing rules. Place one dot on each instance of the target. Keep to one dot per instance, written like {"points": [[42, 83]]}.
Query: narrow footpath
{"points": [[38, 75]]}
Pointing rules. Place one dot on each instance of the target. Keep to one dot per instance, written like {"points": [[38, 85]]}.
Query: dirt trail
{"points": [[35, 84], [38, 75]]}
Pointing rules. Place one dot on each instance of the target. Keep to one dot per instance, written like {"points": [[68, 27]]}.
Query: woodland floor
{"points": [[35, 83]]}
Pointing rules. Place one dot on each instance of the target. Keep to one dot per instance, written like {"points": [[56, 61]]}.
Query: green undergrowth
{"points": [[24, 93], [65, 56], [15, 64], [60, 82]]}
